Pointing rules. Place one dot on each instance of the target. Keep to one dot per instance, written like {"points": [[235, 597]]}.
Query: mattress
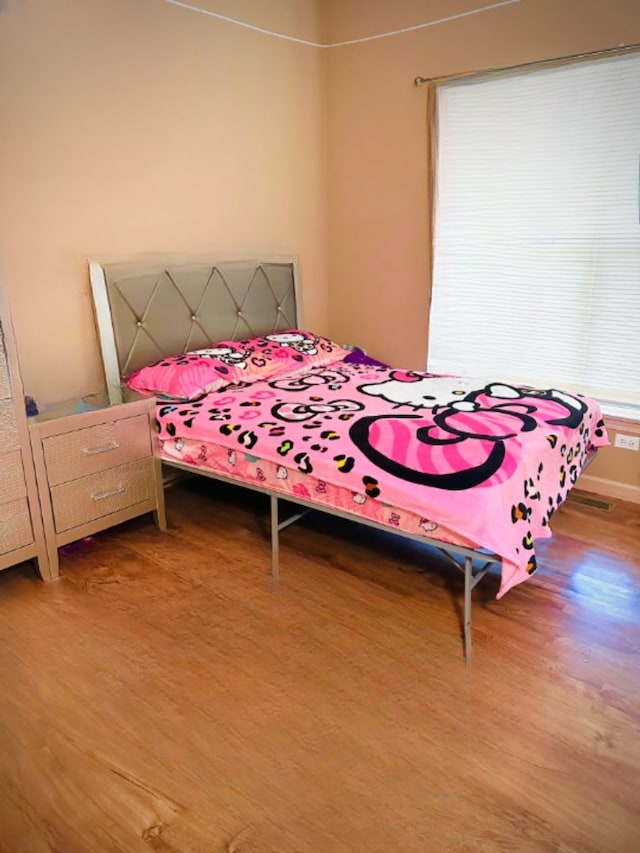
{"points": [[290, 483]]}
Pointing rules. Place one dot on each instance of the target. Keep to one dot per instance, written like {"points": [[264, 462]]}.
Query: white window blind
{"points": [[537, 229]]}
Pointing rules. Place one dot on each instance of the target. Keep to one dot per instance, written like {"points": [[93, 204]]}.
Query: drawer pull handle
{"points": [[102, 495], [91, 451]]}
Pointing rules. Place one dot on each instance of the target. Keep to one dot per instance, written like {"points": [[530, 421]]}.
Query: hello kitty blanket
{"points": [[488, 460]]}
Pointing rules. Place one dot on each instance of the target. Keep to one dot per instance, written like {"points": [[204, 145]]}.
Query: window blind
{"points": [[536, 273]]}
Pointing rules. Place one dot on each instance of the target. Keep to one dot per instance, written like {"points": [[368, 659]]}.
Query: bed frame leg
{"points": [[468, 578], [275, 543]]}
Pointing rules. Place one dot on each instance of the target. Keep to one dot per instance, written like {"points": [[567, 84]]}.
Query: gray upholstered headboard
{"points": [[150, 308]]}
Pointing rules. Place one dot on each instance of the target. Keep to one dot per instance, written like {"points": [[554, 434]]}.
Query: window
{"points": [[536, 273]]}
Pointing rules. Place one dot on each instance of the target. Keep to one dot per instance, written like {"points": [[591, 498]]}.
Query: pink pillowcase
{"points": [[193, 374]]}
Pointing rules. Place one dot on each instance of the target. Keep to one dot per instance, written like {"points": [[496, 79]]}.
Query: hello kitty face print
{"points": [[297, 341], [230, 356], [405, 388]]}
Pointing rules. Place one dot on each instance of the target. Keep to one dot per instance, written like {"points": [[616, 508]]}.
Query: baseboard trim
{"points": [[609, 488]]}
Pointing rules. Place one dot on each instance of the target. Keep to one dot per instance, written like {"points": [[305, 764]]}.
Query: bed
{"points": [[246, 394]]}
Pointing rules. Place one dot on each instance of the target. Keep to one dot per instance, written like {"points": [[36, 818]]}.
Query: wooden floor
{"points": [[161, 696]]}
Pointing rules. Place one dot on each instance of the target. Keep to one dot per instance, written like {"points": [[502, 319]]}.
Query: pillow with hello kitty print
{"points": [[193, 374]]}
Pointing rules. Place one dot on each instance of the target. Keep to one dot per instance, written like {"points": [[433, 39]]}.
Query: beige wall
{"points": [[136, 126], [378, 204], [615, 471]]}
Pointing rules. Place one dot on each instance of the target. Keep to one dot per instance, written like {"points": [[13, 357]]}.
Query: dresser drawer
{"points": [[71, 455], [101, 494], [12, 482], [4, 370], [8, 426], [15, 525]]}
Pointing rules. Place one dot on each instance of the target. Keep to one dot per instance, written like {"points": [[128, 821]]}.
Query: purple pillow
{"points": [[358, 356]]}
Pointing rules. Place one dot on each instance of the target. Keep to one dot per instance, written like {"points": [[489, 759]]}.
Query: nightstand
{"points": [[95, 468]]}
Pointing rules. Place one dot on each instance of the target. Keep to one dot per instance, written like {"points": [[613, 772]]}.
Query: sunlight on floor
{"points": [[607, 591]]}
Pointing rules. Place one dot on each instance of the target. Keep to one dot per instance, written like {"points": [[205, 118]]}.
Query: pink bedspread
{"points": [[486, 460]]}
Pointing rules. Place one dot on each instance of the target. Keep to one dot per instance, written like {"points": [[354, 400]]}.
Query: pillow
{"points": [[188, 376], [297, 350], [359, 356]]}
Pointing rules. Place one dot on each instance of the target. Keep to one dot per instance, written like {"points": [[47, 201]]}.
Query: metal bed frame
{"points": [[472, 575], [149, 307]]}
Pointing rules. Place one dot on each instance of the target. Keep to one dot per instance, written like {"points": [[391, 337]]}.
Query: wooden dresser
{"points": [[21, 529]]}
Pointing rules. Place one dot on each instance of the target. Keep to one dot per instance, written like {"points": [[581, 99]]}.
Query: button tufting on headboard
{"points": [[147, 309]]}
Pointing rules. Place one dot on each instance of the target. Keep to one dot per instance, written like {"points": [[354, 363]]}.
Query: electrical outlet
{"points": [[628, 442]]}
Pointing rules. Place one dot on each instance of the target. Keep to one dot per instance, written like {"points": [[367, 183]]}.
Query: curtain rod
{"points": [[540, 63]]}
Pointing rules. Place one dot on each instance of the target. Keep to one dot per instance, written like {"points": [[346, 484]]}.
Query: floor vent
{"points": [[605, 506]]}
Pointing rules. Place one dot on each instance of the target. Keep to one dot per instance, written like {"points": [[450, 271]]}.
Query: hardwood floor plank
{"points": [[162, 695]]}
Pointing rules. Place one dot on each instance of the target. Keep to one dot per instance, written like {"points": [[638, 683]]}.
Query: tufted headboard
{"points": [[150, 308]]}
